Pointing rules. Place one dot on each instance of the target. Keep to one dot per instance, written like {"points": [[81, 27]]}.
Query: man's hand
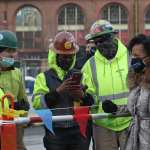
{"points": [[109, 107], [69, 85], [65, 86], [77, 92]]}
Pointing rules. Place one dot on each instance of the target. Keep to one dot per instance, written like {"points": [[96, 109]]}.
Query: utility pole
{"points": [[135, 17]]}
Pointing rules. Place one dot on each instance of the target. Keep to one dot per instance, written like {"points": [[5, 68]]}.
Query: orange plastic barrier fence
{"points": [[8, 137], [8, 131]]}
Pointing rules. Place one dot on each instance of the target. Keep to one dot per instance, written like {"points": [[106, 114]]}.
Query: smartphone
{"points": [[76, 76]]}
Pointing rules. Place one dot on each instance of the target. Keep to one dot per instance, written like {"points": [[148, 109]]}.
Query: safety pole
{"points": [[36, 119]]}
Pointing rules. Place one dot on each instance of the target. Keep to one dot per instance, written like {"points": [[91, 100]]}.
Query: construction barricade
{"points": [[10, 118]]}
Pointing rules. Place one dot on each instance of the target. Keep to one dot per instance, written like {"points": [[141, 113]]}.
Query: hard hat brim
{"points": [[72, 51], [87, 36], [91, 37], [13, 47]]}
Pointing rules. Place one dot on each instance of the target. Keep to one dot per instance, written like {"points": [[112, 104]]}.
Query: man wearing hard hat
{"points": [[11, 78], [56, 89], [105, 76]]}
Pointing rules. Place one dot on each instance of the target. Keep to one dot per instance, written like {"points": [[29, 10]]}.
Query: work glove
{"points": [[21, 105], [109, 107], [87, 100]]}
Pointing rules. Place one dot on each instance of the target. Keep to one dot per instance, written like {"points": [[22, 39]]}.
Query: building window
{"points": [[71, 15], [71, 18], [115, 13], [147, 17], [29, 28], [147, 22]]}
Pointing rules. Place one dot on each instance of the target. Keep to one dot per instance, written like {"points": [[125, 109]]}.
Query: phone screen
{"points": [[77, 77]]}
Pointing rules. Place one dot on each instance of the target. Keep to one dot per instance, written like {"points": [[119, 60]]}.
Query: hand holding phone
{"points": [[76, 77]]}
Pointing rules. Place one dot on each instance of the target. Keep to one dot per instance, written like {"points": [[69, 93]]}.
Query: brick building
{"points": [[37, 21]]}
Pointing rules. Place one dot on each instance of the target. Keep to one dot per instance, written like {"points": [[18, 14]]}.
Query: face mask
{"points": [[65, 63], [137, 64], [106, 46], [107, 49], [7, 62]]}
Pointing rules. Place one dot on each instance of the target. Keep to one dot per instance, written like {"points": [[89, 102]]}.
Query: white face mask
{"points": [[6, 62]]}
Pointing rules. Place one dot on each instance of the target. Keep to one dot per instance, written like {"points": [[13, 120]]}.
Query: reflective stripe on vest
{"points": [[114, 96], [94, 74], [106, 97]]}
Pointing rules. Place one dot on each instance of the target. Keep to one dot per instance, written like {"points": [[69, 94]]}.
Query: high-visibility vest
{"points": [[109, 81]]}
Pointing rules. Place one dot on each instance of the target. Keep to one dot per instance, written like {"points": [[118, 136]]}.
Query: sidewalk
{"points": [[33, 138]]}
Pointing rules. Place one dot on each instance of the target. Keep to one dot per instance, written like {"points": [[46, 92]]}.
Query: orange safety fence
{"points": [[8, 131]]}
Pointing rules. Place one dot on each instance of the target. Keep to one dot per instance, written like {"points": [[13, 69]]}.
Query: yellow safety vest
{"points": [[106, 80]]}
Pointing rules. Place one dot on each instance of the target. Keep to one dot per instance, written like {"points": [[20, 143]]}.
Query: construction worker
{"points": [[105, 76], [56, 89], [11, 78]]}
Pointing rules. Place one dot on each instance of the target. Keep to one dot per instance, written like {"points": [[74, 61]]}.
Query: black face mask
{"points": [[65, 62], [137, 65], [106, 47]]}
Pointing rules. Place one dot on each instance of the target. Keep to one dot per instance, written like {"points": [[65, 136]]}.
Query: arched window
{"points": [[115, 13], [29, 28], [147, 22], [71, 18], [71, 14], [118, 16]]}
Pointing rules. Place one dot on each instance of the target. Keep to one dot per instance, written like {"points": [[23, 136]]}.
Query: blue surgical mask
{"points": [[137, 64], [7, 62]]}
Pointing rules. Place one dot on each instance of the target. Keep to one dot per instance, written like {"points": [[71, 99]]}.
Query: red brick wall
{"points": [[50, 8]]}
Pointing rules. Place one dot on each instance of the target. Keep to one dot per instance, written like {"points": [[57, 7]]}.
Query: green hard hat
{"points": [[8, 39]]}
